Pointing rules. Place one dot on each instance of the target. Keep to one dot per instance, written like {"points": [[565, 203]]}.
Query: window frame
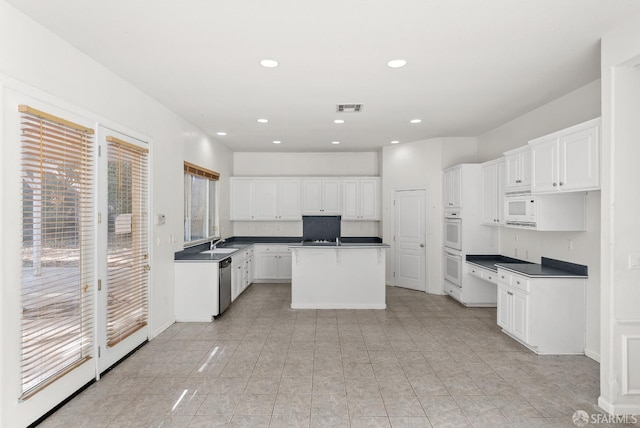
{"points": [[211, 206]]}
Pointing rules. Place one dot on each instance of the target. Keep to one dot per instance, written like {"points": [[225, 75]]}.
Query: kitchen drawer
{"points": [[504, 277], [452, 290], [490, 276], [520, 282], [482, 273], [475, 271]]}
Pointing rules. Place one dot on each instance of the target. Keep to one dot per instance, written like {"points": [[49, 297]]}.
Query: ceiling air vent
{"points": [[349, 108]]}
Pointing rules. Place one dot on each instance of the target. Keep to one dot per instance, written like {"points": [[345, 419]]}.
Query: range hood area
{"points": [[320, 228]]}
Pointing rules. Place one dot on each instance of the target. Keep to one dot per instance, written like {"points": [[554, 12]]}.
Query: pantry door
{"points": [[123, 257], [410, 238]]}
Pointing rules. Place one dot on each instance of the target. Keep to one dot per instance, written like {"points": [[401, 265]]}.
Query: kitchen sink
{"points": [[220, 251]]}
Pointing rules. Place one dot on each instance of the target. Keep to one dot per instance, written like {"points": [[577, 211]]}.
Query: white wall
{"points": [[341, 164], [75, 83], [620, 363], [419, 165], [573, 108]]}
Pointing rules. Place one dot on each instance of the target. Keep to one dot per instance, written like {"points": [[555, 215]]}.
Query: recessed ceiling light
{"points": [[395, 142], [263, 120], [397, 63], [221, 133], [338, 121], [277, 142], [415, 121], [269, 63], [335, 142]]}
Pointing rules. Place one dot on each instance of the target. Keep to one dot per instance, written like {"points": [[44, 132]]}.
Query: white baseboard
{"points": [[160, 329], [619, 409], [595, 356]]}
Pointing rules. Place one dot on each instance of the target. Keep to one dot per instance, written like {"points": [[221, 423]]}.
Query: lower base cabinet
{"points": [[241, 268], [272, 263], [196, 291], [547, 315]]}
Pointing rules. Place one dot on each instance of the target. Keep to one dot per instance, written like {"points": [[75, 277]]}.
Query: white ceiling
{"points": [[472, 64]]}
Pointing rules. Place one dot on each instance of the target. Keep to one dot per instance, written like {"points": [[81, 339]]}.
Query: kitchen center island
{"points": [[345, 276]]}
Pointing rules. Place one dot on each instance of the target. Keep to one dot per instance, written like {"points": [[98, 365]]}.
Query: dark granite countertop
{"points": [[489, 261], [549, 268], [194, 254]]}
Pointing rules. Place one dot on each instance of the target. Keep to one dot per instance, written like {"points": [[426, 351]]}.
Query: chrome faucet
{"points": [[214, 245]]}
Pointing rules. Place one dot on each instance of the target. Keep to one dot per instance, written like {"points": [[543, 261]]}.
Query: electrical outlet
{"points": [[570, 245], [516, 237], [526, 254], [634, 261], [515, 252]]}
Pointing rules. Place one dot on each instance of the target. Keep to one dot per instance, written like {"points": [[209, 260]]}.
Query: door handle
{"points": [[147, 268], [421, 245]]}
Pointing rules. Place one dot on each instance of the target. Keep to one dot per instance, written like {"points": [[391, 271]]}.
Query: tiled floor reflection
{"points": [[425, 361]]}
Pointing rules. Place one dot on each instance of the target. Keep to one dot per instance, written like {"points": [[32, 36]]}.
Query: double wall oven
{"points": [[453, 246]]}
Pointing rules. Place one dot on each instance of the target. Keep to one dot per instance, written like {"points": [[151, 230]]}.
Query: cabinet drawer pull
{"points": [[518, 282]]}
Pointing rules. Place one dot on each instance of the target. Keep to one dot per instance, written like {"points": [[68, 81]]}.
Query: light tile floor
{"points": [[424, 361]]}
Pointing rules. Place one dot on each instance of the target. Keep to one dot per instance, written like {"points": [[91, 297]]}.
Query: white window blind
{"points": [[58, 247], [127, 258]]}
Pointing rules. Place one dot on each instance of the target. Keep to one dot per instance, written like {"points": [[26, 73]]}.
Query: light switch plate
{"points": [[160, 219], [634, 261]]}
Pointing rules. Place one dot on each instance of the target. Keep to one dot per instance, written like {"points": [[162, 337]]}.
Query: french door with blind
{"points": [[123, 250]]}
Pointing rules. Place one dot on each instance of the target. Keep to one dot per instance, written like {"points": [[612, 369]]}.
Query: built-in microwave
{"points": [[520, 209]]}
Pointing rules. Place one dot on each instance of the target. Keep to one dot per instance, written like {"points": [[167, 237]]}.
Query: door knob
{"points": [[421, 245]]}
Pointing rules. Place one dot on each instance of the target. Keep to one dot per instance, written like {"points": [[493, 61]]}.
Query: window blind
{"points": [[127, 252], [57, 167], [199, 171]]}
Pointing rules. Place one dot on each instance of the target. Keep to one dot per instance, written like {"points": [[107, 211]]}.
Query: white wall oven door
{"points": [[453, 268], [453, 233]]}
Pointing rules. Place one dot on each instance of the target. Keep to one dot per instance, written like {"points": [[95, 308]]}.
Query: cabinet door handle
{"points": [[561, 183], [502, 276], [555, 184], [518, 282]]}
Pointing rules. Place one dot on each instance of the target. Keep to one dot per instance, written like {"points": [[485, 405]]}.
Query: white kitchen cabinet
{"points": [[547, 315], [277, 199], [493, 177], [248, 266], [321, 196], [513, 313], [242, 195], [237, 275], [568, 160], [196, 291], [272, 263], [453, 187], [518, 169], [265, 199], [361, 198]]}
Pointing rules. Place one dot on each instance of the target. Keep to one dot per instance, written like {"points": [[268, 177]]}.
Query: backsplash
{"points": [[294, 228]]}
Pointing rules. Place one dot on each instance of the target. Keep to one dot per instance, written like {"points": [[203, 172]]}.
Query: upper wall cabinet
{"points": [[265, 199], [321, 196], [492, 175], [242, 195], [360, 198], [518, 169], [453, 187], [567, 160]]}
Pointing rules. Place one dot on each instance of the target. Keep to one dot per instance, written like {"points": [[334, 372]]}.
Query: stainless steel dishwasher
{"points": [[224, 281]]}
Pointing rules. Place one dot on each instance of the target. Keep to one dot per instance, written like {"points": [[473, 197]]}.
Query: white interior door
{"points": [[410, 239], [123, 255]]}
